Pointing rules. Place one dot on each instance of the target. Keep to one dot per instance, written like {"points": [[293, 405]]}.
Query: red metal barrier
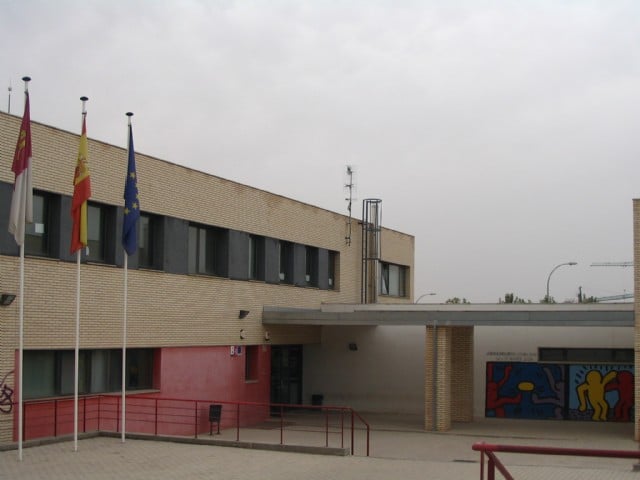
{"points": [[493, 463], [154, 415]]}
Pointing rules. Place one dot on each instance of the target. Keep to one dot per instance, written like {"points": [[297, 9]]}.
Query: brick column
{"points": [[437, 362], [462, 375]]}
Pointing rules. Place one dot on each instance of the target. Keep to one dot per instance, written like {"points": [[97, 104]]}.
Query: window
{"points": [[149, 250], [311, 266], [256, 257], [50, 373], [96, 226], [333, 268], [36, 240], [393, 280], [251, 363], [207, 250], [286, 262], [586, 355]]}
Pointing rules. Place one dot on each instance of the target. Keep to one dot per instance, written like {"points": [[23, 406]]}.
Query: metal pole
{"points": [[547, 298]]}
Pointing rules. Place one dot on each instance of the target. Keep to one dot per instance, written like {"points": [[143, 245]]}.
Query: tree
{"points": [[511, 298], [456, 300]]}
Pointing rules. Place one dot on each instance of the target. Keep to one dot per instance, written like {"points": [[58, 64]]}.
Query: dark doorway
{"points": [[286, 374]]}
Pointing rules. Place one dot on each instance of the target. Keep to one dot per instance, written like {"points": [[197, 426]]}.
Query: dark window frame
{"points": [[334, 268], [311, 266], [58, 370], [150, 242], [251, 363], [585, 355], [207, 250], [36, 244], [285, 251], [390, 273], [256, 258]]}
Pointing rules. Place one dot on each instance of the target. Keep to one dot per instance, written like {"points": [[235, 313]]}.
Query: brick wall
{"points": [[165, 309]]}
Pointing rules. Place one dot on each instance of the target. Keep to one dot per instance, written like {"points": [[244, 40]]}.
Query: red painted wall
{"points": [[206, 374], [212, 373]]}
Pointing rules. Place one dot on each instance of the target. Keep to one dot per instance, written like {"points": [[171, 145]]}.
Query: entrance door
{"points": [[286, 374]]}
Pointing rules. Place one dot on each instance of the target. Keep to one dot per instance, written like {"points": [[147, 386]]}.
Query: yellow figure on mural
{"points": [[593, 390]]}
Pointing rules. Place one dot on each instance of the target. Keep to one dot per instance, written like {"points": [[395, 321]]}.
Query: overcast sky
{"points": [[504, 135]]}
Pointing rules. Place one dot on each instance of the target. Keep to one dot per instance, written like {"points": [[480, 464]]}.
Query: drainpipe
{"points": [[434, 415]]}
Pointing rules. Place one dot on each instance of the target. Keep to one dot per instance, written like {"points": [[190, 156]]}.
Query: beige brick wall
{"points": [[438, 379], [462, 375], [448, 376], [166, 309]]}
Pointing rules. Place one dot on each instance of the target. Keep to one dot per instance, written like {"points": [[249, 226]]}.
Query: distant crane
{"points": [[612, 264]]}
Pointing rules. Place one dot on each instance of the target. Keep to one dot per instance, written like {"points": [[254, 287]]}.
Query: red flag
{"points": [[22, 199], [81, 193]]}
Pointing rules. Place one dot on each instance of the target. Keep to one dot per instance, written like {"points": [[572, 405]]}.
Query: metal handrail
{"points": [[493, 462], [177, 413]]}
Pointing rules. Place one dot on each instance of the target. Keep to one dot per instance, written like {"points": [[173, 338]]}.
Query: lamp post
{"points": [[547, 298], [424, 295]]}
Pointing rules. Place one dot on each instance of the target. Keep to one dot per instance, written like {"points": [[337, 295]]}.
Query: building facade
{"points": [[212, 253]]}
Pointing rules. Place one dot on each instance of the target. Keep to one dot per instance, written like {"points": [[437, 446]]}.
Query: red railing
{"points": [[306, 425], [493, 463]]}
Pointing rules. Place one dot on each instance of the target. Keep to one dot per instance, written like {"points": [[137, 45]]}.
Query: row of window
{"points": [[209, 251], [50, 373], [586, 355]]}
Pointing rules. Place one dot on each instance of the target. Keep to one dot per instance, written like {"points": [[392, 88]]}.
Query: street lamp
{"points": [[547, 298], [424, 295]]}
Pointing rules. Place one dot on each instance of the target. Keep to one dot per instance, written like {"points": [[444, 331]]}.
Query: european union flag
{"points": [[131, 203]]}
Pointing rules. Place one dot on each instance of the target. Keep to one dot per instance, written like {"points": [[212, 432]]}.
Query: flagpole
{"points": [[124, 322], [21, 327], [77, 348]]}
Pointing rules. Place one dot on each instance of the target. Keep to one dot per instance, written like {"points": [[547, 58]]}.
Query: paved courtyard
{"points": [[399, 449]]}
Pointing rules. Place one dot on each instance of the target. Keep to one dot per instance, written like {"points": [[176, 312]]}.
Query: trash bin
{"points": [[317, 399], [215, 412]]}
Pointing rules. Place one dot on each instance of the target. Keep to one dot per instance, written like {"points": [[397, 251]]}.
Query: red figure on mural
{"points": [[494, 401], [623, 384]]}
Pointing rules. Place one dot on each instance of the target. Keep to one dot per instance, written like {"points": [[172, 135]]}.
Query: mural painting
{"points": [[559, 391], [601, 393], [525, 390]]}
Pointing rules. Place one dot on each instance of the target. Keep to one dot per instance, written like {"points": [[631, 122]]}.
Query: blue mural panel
{"points": [[525, 390]]}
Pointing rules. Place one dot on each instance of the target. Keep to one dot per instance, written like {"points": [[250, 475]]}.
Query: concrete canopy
{"points": [[533, 314]]}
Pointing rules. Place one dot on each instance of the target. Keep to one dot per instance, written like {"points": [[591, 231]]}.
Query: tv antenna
{"points": [[9, 101], [349, 185]]}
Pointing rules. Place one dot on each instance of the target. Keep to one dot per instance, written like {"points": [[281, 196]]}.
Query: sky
{"points": [[503, 135]]}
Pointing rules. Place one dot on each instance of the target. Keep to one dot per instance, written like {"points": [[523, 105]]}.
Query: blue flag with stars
{"points": [[131, 203]]}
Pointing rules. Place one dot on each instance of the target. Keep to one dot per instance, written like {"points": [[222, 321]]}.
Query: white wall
{"points": [[385, 374]]}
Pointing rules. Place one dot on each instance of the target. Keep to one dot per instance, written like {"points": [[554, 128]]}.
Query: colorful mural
{"points": [[558, 391]]}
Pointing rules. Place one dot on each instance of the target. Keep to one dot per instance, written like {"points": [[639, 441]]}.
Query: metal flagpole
{"points": [[21, 327], [124, 348], [77, 349], [124, 321]]}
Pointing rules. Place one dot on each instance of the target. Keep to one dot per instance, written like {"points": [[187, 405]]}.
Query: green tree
{"points": [[456, 300], [511, 298]]}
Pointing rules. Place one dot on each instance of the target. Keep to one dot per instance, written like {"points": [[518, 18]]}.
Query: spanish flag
{"points": [[81, 193]]}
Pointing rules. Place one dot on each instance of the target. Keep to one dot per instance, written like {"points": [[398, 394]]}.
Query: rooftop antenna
{"points": [[349, 185], [9, 102]]}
